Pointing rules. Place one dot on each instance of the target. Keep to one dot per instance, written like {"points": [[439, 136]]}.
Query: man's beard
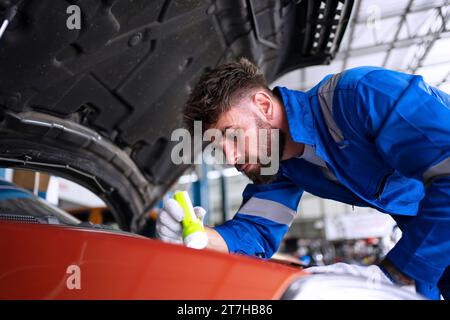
{"points": [[255, 173]]}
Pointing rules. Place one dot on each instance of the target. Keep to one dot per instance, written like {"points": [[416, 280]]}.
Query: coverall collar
{"points": [[299, 115]]}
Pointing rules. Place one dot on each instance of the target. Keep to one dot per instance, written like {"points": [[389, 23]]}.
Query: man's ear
{"points": [[264, 103]]}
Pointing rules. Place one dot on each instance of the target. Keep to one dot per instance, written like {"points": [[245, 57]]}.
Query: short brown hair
{"points": [[215, 90]]}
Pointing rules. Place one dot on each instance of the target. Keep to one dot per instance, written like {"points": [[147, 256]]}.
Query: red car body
{"points": [[38, 263]]}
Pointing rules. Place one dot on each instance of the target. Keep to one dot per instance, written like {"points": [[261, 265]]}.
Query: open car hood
{"points": [[97, 104]]}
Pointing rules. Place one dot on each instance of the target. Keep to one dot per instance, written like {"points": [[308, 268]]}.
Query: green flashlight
{"points": [[194, 234]]}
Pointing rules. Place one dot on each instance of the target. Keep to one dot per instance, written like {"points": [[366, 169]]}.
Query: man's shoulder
{"points": [[349, 79], [377, 77]]}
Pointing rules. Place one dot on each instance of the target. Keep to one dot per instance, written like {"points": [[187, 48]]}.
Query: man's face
{"points": [[248, 139]]}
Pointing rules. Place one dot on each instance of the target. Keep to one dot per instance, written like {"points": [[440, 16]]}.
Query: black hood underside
{"points": [[98, 104]]}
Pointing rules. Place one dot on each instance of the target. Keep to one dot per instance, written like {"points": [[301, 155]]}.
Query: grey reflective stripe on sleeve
{"points": [[268, 209], [325, 95], [436, 171]]}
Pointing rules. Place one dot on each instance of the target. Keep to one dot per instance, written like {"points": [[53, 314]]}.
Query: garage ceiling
{"points": [[406, 35]]}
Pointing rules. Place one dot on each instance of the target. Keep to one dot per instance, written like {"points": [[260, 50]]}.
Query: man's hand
{"points": [[168, 223], [170, 229], [396, 275]]}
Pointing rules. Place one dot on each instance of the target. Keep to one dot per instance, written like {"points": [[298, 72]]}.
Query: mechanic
{"points": [[366, 137]]}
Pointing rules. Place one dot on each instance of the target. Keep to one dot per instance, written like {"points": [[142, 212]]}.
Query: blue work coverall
{"points": [[385, 135]]}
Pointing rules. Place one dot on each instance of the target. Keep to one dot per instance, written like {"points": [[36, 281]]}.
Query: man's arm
{"points": [[412, 133], [215, 240], [262, 220], [257, 229]]}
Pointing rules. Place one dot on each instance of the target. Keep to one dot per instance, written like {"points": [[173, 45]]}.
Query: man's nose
{"points": [[230, 153]]}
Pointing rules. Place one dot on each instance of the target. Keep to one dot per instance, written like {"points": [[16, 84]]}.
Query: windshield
{"points": [[20, 205]]}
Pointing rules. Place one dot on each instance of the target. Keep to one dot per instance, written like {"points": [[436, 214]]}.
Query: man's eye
{"points": [[232, 132]]}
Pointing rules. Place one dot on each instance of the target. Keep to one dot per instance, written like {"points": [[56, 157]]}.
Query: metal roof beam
{"points": [[427, 43], [444, 80], [395, 14], [397, 33], [351, 32], [382, 47]]}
